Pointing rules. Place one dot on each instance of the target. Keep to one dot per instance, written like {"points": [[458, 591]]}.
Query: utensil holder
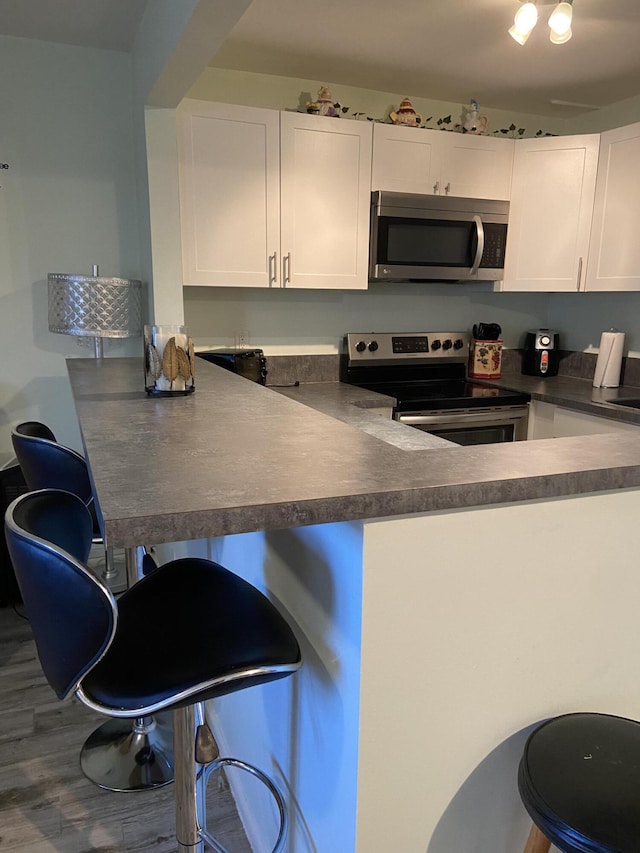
{"points": [[485, 359]]}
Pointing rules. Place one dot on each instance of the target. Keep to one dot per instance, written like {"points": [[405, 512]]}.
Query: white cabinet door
{"points": [[614, 257], [229, 194], [550, 215], [475, 166], [405, 159], [547, 420], [415, 160], [325, 175]]}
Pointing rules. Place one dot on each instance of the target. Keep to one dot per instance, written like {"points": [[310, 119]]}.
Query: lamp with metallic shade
{"points": [[95, 306]]}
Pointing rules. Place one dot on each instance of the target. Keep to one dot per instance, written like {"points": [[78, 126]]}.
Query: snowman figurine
{"points": [[323, 105]]}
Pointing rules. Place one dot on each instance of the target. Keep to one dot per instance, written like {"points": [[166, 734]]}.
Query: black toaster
{"points": [[249, 363]]}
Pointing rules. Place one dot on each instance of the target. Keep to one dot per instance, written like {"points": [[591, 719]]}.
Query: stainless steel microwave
{"points": [[436, 238]]}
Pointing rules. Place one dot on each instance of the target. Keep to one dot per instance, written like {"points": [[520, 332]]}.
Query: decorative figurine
{"points": [[324, 105], [406, 114], [474, 122]]}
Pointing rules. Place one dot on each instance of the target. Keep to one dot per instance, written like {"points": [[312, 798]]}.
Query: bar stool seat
{"points": [[198, 631], [579, 780]]}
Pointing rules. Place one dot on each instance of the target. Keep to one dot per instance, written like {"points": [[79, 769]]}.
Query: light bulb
{"points": [[519, 36], [562, 39], [560, 20], [526, 17]]}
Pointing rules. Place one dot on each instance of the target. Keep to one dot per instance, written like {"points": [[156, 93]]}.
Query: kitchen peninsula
{"points": [[446, 599]]}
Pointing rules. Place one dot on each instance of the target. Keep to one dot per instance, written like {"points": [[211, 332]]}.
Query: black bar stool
{"points": [[579, 780], [111, 755], [218, 635]]}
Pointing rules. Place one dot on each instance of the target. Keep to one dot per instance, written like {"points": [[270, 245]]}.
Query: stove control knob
{"points": [[436, 344], [361, 346], [545, 340], [447, 344], [373, 346], [458, 343]]}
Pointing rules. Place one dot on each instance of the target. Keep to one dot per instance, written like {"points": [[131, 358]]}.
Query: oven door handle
{"points": [[480, 249], [454, 418]]}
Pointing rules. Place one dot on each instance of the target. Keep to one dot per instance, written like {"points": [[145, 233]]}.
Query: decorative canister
{"points": [[169, 361], [485, 359]]}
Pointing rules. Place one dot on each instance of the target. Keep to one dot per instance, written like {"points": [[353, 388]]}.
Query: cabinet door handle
{"points": [[579, 273], [286, 268], [436, 188], [273, 266], [446, 189]]}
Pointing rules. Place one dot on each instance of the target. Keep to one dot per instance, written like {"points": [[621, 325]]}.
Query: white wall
{"points": [[582, 317], [297, 321], [67, 201], [289, 93], [615, 115]]}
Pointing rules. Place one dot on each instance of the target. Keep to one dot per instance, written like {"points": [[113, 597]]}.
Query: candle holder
{"points": [[169, 361]]}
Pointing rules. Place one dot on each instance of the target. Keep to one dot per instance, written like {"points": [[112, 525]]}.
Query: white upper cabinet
{"points": [[614, 256], [550, 213], [325, 201], [271, 199], [405, 159], [229, 193], [419, 160], [476, 166]]}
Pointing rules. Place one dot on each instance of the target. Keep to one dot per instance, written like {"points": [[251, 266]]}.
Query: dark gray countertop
{"points": [[353, 406], [576, 394], [235, 457]]}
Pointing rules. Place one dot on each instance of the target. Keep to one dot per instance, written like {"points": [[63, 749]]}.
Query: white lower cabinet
{"points": [[549, 421], [614, 256], [271, 199], [552, 194]]}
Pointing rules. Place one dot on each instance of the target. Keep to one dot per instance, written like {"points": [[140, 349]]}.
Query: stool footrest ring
{"points": [[269, 784]]}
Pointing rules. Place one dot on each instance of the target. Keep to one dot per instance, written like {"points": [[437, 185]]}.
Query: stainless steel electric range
{"points": [[426, 373]]}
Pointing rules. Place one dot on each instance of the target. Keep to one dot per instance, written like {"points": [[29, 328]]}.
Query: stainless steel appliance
{"points": [[426, 374], [436, 238], [541, 356], [249, 363]]}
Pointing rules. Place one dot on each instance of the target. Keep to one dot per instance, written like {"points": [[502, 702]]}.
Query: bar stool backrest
{"points": [[46, 464], [72, 614]]}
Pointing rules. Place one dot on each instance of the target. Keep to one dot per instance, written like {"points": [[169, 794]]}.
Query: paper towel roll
{"points": [[609, 363]]}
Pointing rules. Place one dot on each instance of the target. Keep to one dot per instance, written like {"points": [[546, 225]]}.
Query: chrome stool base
{"points": [[130, 755]]}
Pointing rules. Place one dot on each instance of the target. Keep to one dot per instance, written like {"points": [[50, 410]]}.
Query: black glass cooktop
{"points": [[445, 394]]}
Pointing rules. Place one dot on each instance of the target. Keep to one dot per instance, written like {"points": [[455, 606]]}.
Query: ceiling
{"points": [[451, 50]]}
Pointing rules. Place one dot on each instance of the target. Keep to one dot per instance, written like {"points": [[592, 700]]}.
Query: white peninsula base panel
{"points": [[432, 645]]}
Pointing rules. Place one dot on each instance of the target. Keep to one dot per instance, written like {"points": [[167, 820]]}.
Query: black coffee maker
{"points": [[541, 355]]}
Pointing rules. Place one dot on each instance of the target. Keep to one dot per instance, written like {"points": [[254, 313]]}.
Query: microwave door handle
{"points": [[480, 249]]}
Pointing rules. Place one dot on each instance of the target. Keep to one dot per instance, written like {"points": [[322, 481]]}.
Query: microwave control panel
{"points": [[495, 243]]}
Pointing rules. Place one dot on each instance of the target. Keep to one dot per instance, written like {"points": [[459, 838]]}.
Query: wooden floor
{"points": [[46, 804]]}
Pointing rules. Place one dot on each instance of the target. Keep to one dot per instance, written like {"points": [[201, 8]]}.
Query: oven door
{"points": [[468, 426]]}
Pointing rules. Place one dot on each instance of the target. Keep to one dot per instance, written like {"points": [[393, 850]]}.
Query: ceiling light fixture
{"points": [[559, 22], [524, 22]]}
